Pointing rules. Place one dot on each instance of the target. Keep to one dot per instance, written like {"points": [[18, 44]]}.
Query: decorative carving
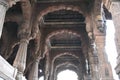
{"points": [[101, 24], [99, 16]]}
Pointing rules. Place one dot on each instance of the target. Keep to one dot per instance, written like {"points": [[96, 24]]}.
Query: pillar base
{"points": [[20, 76]]}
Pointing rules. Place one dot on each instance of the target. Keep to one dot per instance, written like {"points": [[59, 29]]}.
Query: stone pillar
{"points": [[93, 62], [23, 34], [93, 56], [4, 5], [115, 10], [99, 38], [20, 60], [47, 67], [105, 71], [34, 70]]}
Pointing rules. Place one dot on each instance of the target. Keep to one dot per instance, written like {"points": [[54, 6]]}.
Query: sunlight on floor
{"points": [[67, 75]]}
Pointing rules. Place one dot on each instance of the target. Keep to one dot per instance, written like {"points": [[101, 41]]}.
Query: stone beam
{"points": [[61, 23], [73, 47]]}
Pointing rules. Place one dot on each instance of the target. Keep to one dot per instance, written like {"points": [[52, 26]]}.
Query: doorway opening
{"points": [[67, 75]]}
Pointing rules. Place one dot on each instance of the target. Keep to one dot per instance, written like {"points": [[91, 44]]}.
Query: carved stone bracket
{"points": [[100, 21]]}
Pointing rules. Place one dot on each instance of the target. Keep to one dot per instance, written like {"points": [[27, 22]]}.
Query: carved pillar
{"points": [[103, 60], [34, 70], [47, 66], [92, 52], [115, 10], [4, 5], [93, 62], [99, 36], [24, 35], [20, 60]]}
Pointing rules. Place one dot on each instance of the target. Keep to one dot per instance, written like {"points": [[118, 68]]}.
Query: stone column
{"points": [[92, 52], [20, 60], [115, 10], [99, 40], [103, 60], [47, 67], [93, 61], [99, 36], [34, 70], [4, 5]]}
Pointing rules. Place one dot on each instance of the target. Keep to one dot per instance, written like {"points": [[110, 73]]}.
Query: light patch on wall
{"points": [[41, 78], [67, 75], [110, 46]]}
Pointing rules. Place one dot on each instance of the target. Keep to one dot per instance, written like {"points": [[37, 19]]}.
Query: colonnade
{"points": [[97, 34]]}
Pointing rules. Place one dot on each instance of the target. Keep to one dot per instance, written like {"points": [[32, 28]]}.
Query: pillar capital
{"points": [[24, 41]]}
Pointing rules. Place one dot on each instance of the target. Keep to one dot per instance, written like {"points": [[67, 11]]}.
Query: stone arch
{"points": [[52, 9], [66, 53], [66, 63], [56, 33], [61, 32], [57, 8]]}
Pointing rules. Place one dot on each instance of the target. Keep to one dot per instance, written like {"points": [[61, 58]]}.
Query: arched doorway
{"points": [[67, 75]]}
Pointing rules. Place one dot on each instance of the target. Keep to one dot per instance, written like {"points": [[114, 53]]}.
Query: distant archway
{"points": [[67, 75], [41, 78]]}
